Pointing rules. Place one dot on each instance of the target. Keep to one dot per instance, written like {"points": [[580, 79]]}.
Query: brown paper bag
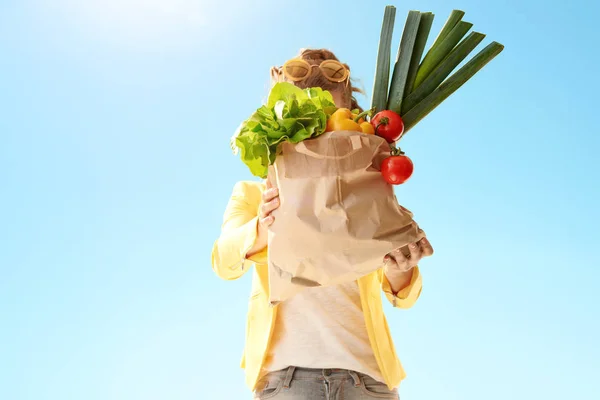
{"points": [[338, 217]]}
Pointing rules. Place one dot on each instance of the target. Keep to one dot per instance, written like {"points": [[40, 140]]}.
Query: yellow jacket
{"points": [[228, 261]]}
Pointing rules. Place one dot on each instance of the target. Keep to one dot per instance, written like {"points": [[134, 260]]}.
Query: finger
{"points": [[267, 221], [398, 256], [270, 194], [387, 261], [415, 252], [269, 184], [267, 208], [427, 249], [399, 261]]}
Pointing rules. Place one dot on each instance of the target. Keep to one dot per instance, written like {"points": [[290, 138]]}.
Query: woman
{"points": [[326, 342]]}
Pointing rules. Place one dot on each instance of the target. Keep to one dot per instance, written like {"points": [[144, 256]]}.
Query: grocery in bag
{"points": [[337, 217]]}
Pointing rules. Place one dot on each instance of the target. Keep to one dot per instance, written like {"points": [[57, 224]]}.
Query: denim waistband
{"points": [[328, 374]]}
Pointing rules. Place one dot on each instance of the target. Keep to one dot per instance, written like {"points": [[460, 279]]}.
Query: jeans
{"points": [[321, 384]]}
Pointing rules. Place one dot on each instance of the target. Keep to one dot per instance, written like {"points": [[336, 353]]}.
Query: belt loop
{"points": [[288, 377], [355, 378]]}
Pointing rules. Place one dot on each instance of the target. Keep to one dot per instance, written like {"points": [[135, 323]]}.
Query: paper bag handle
{"points": [[303, 149]]}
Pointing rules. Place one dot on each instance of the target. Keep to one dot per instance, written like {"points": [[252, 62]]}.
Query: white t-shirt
{"points": [[323, 327]]}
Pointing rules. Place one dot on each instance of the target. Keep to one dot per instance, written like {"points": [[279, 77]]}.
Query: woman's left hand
{"points": [[397, 262]]}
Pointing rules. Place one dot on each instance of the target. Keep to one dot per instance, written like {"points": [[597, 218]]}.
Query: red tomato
{"points": [[397, 169], [388, 125]]}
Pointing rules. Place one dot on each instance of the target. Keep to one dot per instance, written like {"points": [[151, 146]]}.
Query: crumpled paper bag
{"points": [[337, 218]]}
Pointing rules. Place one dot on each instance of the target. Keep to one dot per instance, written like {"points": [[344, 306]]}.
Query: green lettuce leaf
{"points": [[291, 114], [285, 91]]}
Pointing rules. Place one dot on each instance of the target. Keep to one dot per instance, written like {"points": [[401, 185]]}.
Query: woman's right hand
{"points": [[270, 202]]}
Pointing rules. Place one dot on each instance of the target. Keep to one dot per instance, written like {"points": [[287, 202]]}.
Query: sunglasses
{"points": [[298, 69]]}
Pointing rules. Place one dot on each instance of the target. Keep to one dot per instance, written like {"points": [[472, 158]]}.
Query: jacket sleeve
{"points": [[238, 233], [407, 297]]}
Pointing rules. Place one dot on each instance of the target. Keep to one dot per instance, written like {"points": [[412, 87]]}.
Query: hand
{"points": [[270, 202], [398, 263]]}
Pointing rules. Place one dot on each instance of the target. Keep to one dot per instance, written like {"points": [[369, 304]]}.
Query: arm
{"points": [[234, 250], [400, 277], [403, 289]]}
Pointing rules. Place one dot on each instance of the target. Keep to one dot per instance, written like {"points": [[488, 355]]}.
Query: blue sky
{"points": [[115, 118]]}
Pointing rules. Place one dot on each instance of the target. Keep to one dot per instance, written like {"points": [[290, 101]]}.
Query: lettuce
{"points": [[291, 114]]}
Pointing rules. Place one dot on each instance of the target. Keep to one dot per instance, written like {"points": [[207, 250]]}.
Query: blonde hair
{"points": [[316, 57]]}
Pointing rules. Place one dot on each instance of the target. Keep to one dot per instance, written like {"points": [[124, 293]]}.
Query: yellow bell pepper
{"points": [[343, 120], [367, 128]]}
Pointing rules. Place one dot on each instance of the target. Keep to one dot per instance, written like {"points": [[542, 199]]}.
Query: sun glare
{"points": [[136, 21]]}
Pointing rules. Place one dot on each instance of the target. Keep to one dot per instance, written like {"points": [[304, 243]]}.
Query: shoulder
{"points": [[251, 191]]}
